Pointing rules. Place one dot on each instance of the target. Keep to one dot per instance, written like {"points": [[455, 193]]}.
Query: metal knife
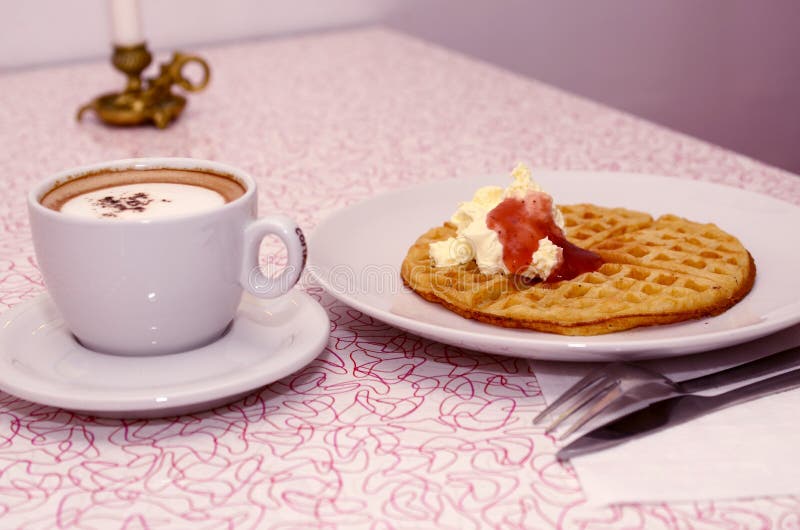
{"points": [[670, 412]]}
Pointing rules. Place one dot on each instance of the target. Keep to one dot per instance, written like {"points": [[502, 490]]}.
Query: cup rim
{"points": [[38, 191]]}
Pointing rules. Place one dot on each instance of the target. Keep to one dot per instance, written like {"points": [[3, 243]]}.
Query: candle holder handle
{"points": [[151, 103], [175, 69]]}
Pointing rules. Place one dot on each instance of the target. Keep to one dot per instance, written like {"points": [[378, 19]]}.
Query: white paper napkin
{"points": [[749, 450]]}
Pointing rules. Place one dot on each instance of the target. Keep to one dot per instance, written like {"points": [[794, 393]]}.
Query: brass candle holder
{"points": [[151, 100]]}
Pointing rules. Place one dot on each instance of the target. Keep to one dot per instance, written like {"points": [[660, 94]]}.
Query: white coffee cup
{"points": [[158, 286]]}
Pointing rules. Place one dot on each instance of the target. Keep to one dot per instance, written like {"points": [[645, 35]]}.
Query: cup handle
{"points": [[252, 279]]}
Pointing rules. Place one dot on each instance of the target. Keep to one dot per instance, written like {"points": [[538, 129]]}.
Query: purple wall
{"points": [[727, 71]]}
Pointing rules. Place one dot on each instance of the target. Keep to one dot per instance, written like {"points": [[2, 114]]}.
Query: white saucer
{"points": [[42, 362]]}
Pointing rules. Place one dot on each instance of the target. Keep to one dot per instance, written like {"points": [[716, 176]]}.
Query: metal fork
{"points": [[618, 388]]}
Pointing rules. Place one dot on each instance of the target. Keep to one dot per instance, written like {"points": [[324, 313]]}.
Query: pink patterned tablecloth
{"points": [[384, 429]]}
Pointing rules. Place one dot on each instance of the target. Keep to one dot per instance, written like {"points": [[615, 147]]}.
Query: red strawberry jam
{"points": [[521, 223]]}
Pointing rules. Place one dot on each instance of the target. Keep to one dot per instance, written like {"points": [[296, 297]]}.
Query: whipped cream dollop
{"points": [[476, 240]]}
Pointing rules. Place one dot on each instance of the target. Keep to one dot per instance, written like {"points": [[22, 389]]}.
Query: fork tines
{"points": [[588, 396]]}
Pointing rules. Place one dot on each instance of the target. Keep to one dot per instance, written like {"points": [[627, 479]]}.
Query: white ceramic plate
{"points": [[269, 339], [356, 255]]}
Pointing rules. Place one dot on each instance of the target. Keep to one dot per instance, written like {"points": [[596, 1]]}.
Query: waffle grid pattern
{"points": [[655, 272]]}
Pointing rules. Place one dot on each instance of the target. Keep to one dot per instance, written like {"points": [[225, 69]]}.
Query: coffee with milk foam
{"points": [[143, 201], [142, 194]]}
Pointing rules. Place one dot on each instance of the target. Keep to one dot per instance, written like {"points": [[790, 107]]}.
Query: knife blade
{"points": [[674, 411]]}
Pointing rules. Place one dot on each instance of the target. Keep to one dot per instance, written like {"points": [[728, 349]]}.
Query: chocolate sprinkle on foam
{"points": [[113, 206]]}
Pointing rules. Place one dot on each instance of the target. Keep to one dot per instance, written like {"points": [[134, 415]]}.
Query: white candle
{"points": [[126, 28]]}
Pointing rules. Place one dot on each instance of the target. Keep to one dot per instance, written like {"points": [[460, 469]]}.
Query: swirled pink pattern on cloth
{"points": [[384, 429]]}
